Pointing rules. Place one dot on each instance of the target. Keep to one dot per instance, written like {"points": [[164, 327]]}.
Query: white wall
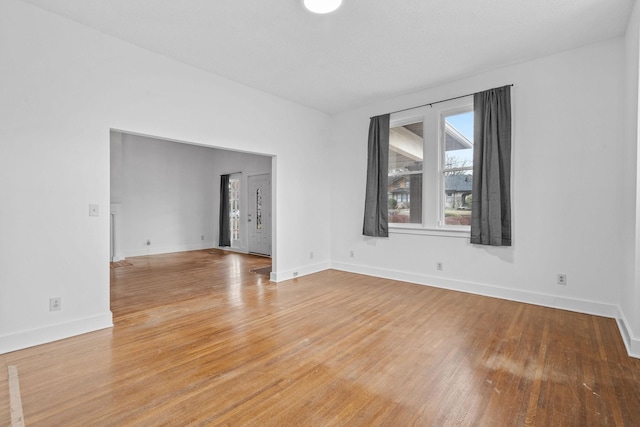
{"points": [[64, 87], [168, 196], [70, 85], [170, 191], [631, 283], [568, 157]]}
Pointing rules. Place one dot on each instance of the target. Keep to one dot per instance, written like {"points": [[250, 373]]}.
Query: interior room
{"points": [[167, 194], [130, 111]]}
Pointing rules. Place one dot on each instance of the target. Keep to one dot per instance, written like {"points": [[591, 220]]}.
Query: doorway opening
{"points": [[165, 197]]}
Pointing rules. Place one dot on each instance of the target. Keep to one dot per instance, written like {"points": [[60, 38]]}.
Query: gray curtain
{"points": [[376, 214], [491, 205], [225, 231]]}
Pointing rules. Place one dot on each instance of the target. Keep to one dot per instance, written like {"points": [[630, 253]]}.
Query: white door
{"points": [[259, 214]]}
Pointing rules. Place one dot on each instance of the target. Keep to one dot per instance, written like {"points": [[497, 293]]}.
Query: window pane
{"points": [[405, 173], [458, 130], [234, 209], [259, 208], [457, 196], [405, 198]]}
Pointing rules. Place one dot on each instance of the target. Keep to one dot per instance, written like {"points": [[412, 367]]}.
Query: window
{"points": [[431, 166], [405, 168], [457, 167], [259, 208]]}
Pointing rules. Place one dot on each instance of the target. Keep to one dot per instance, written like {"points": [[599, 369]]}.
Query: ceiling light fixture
{"points": [[322, 6]]}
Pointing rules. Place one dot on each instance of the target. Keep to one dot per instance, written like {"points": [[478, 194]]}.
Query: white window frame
{"points": [[433, 196]]}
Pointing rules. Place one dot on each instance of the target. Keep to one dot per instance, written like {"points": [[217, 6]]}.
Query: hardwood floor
{"points": [[200, 340]]}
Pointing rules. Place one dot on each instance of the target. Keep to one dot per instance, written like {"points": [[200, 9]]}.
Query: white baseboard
{"points": [[157, 250], [50, 333], [185, 248], [230, 249], [571, 304], [631, 343], [281, 276]]}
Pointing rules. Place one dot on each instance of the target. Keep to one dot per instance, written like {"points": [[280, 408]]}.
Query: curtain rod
{"points": [[430, 104]]}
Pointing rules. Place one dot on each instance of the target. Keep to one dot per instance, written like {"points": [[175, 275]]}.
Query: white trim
{"points": [[280, 276], [232, 249], [116, 230], [157, 250], [408, 117], [630, 342], [50, 333], [461, 233]]}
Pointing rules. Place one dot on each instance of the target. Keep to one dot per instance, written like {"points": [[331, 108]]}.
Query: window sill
{"points": [[462, 233]]}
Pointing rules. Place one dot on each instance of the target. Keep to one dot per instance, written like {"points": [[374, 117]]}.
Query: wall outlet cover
{"points": [[55, 304]]}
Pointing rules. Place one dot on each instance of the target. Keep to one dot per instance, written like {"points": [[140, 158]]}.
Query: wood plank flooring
{"points": [[200, 340]]}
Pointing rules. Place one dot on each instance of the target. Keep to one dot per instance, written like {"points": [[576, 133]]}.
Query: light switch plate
{"points": [[94, 210]]}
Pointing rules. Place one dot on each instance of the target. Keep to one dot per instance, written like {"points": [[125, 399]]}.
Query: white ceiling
{"points": [[365, 51]]}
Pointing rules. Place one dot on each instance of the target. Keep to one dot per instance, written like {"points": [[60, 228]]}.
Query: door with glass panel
{"points": [[234, 209], [259, 214]]}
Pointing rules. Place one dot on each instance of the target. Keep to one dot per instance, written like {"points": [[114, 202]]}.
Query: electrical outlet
{"points": [[311, 255], [295, 274], [148, 242], [439, 266], [202, 237], [352, 253], [562, 279], [94, 210], [55, 304]]}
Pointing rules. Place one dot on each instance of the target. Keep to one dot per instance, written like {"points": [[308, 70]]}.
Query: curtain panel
{"points": [[491, 205], [225, 229], [376, 220]]}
